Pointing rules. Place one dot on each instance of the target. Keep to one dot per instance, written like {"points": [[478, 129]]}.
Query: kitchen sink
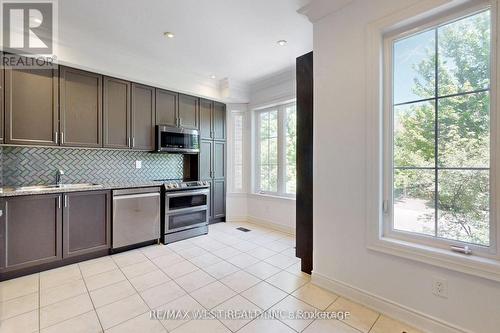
{"points": [[50, 187]]}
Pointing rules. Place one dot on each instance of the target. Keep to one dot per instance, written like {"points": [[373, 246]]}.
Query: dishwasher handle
{"points": [[134, 196]]}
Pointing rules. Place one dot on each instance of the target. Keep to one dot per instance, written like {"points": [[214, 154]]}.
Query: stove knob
{"points": [[176, 185]]}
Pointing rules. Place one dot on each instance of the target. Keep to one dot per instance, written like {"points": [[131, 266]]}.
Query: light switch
{"points": [[138, 164]]}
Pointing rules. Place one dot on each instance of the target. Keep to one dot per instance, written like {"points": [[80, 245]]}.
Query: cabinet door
{"points": [[31, 111], [219, 198], [219, 157], [188, 111], [2, 84], [205, 159], [166, 107], [116, 113], [81, 108], [206, 110], [31, 229], [211, 201], [219, 121], [143, 117], [86, 222]]}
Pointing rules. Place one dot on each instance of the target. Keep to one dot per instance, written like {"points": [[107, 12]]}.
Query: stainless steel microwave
{"points": [[171, 139]]}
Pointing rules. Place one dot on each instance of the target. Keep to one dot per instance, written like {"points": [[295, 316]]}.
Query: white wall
{"points": [[340, 253], [275, 212], [273, 89]]}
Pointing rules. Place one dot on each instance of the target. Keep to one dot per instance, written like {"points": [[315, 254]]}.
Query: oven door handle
{"points": [[186, 210], [185, 193]]}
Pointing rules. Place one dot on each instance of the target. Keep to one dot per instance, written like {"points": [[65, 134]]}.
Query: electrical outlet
{"points": [[440, 287], [138, 164]]}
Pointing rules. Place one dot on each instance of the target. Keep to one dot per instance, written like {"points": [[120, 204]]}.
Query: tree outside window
{"points": [[441, 131]]}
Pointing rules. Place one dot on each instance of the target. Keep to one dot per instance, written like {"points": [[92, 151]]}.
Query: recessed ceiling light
{"points": [[169, 34], [213, 77], [281, 42]]}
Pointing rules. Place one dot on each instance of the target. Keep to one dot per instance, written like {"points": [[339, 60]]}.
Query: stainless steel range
{"points": [[185, 210]]}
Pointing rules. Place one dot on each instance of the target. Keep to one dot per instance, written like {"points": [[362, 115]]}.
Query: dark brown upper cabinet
{"points": [[86, 222], [219, 121], [81, 108], [116, 113], [31, 110], [143, 117], [30, 231], [166, 107], [206, 124], [188, 112], [2, 84]]}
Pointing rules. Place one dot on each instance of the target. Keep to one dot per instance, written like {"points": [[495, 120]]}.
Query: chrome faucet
{"points": [[59, 176]]}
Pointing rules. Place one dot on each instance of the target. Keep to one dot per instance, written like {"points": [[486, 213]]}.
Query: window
{"points": [[275, 150], [238, 151], [291, 148], [438, 170]]}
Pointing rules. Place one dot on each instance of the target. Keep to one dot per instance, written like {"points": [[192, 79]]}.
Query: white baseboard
{"points": [[237, 219], [392, 309], [271, 225], [262, 223]]}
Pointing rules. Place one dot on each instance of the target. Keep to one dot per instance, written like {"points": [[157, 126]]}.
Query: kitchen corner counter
{"points": [[19, 191]]}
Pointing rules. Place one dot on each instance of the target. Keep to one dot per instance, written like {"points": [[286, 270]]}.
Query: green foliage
{"points": [[463, 136]]}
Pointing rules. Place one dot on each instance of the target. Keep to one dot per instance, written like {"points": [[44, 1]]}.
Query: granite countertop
{"points": [[28, 190]]}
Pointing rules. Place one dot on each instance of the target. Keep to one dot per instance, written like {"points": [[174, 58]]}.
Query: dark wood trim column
{"points": [[304, 206]]}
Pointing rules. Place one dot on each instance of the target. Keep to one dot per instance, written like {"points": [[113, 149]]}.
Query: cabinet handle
{"points": [[65, 201], [133, 142], [62, 137], [57, 137], [128, 144], [59, 202]]}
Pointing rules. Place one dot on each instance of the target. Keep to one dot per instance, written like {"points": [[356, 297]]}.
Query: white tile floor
{"points": [[225, 270]]}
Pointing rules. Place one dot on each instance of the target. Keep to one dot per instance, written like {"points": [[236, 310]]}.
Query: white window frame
{"points": [[389, 229], [235, 114], [422, 16], [281, 186]]}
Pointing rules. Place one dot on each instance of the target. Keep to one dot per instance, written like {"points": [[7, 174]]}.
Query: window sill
{"points": [[271, 196], [473, 265]]}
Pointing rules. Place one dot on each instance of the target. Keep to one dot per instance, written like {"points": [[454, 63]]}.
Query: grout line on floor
{"points": [[39, 304], [373, 325], [88, 294]]}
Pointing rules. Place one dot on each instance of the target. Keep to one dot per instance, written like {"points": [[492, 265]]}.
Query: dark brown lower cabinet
{"points": [[41, 230], [86, 222], [30, 231], [219, 198]]}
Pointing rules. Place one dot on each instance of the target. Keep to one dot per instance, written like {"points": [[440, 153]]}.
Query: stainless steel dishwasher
{"points": [[136, 216]]}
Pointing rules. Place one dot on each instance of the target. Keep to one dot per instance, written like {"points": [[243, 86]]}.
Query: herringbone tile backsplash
{"points": [[32, 165]]}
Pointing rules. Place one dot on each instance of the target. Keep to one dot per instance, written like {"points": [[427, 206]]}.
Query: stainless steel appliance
{"points": [[136, 216], [186, 211], [171, 139]]}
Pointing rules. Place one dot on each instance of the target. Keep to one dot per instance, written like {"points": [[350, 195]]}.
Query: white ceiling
{"points": [[226, 38]]}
